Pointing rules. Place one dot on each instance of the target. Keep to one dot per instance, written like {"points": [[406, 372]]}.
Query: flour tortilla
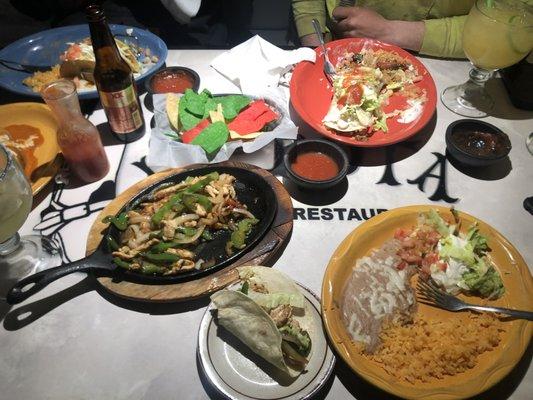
{"points": [[245, 319]]}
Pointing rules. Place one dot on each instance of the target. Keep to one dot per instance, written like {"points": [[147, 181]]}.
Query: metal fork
{"points": [[29, 69], [329, 69], [435, 296]]}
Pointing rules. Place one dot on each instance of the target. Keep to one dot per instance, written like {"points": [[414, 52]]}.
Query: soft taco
{"points": [[270, 315]]}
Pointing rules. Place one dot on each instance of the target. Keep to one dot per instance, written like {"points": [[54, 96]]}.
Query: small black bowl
{"points": [[470, 158], [319, 146], [195, 78]]}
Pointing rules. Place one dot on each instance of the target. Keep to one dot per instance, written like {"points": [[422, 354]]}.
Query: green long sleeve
{"points": [[304, 11], [444, 37], [444, 19]]}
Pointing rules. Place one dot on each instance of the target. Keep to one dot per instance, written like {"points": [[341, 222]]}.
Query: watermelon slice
{"points": [[188, 136]]}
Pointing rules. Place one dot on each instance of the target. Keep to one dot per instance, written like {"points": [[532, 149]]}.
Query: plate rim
{"points": [[40, 183], [90, 93], [326, 369], [525, 329], [424, 119]]}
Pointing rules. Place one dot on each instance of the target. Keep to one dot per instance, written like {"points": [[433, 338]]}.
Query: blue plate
{"points": [[44, 49]]}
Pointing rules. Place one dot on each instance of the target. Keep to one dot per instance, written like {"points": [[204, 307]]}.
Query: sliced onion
{"points": [[243, 212], [198, 264], [182, 239]]}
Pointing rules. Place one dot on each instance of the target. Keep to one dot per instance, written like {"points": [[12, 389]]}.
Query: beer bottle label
{"points": [[122, 109]]}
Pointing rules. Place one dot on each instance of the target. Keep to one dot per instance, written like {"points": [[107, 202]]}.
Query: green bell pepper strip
{"points": [[245, 287], [191, 199], [207, 235], [244, 227], [112, 244], [120, 221], [121, 263], [151, 269], [161, 257], [162, 247], [187, 231], [202, 183], [176, 199]]}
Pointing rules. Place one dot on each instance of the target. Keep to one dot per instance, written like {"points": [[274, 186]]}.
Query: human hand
{"points": [[366, 23], [359, 22]]}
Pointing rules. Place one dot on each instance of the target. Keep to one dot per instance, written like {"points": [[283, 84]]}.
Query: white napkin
{"points": [[257, 65]]}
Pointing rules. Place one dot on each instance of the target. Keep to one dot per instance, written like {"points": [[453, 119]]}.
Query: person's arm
{"points": [[444, 37], [364, 22], [304, 11]]}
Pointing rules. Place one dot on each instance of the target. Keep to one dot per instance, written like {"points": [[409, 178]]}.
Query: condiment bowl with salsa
{"points": [[315, 164], [173, 80], [476, 143]]}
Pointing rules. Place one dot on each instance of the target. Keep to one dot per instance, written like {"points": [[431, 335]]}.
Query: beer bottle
{"points": [[114, 81]]}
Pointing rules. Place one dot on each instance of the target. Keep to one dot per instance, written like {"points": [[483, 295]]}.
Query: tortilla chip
{"points": [[213, 137], [217, 115], [237, 136], [172, 105]]}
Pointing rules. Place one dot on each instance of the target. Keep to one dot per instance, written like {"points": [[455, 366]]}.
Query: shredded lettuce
{"points": [[381, 123], [364, 117], [454, 247], [434, 219], [469, 251], [299, 339], [272, 300], [370, 104], [394, 85], [477, 240]]}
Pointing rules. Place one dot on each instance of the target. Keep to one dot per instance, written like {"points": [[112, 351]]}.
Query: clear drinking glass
{"points": [[77, 137], [497, 34], [19, 257]]}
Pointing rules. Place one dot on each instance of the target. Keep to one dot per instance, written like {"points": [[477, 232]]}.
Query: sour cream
{"points": [[411, 113], [451, 278]]}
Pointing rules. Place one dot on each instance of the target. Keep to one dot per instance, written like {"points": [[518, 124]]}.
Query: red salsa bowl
{"points": [[173, 80]]}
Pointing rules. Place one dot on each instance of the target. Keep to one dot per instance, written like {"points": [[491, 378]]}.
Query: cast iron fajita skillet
{"points": [[251, 189]]}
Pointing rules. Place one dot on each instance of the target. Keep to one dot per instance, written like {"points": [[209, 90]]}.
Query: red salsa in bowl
{"points": [[173, 80], [315, 164]]}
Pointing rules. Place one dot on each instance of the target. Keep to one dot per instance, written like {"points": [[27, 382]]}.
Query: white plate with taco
{"points": [[262, 338]]}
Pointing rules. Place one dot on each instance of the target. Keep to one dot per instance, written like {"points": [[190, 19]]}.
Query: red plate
{"points": [[311, 94]]}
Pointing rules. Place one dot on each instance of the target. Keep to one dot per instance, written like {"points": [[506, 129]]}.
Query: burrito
{"points": [[269, 314]]}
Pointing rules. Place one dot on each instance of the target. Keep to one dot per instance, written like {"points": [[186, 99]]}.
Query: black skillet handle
{"points": [[41, 279]]}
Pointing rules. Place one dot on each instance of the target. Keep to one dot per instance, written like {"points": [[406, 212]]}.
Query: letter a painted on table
{"points": [[440, 193]]}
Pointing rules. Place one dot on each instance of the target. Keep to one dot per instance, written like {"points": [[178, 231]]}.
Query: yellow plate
{"points": [[492, 366], [39, 116]]}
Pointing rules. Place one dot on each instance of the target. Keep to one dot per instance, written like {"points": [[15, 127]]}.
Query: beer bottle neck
{"points": [[104, 46]]}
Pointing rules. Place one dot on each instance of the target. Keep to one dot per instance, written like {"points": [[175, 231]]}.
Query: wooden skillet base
{"points": [[266, 250]]}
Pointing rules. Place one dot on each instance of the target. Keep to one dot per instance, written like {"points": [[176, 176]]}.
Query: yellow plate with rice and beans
{"points": [[422, 352]]}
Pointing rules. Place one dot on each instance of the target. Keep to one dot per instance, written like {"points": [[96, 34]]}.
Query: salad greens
{"points": [[467, 254]]}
